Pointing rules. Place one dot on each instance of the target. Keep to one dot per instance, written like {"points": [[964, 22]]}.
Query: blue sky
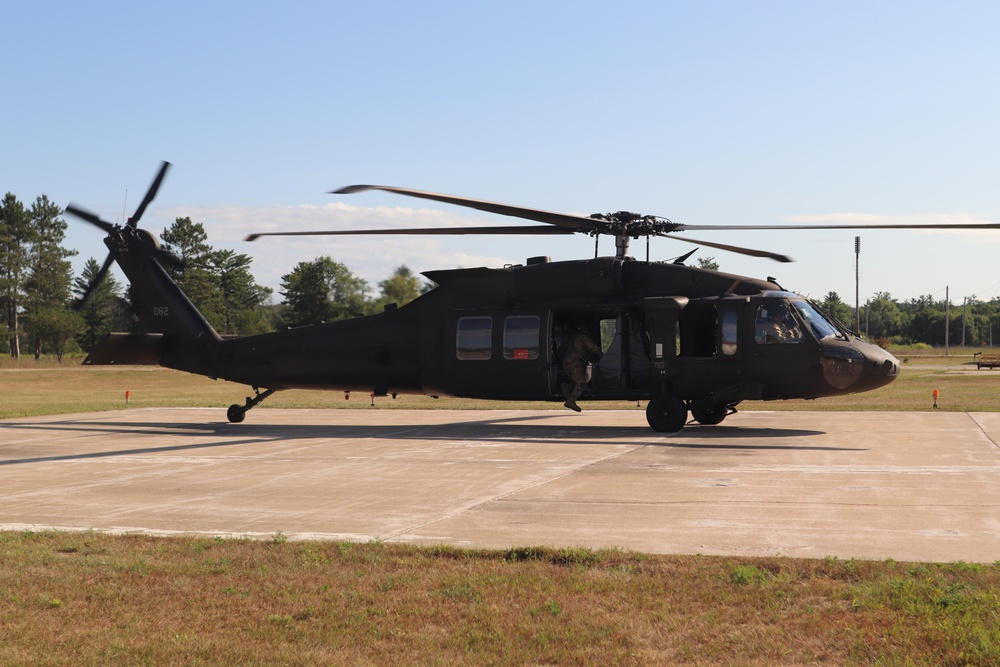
{"points": [[705, 113]]}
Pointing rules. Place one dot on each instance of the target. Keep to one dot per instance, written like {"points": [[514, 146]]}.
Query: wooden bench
{"points": [[987, 360]]}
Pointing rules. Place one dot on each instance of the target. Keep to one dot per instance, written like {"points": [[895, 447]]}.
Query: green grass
{"points": [[92, 599]]}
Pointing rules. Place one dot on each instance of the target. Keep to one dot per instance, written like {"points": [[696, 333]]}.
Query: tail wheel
{"points": [[666, 413], [236, 413], [710, 415]]}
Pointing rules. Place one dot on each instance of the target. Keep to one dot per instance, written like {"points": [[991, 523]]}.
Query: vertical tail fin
{"points": [[162, 307]]}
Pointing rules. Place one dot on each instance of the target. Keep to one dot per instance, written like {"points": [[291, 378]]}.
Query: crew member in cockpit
{"points": [[776, 325]]}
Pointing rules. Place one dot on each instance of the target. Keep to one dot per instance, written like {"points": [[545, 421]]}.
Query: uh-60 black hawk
{"points": [[684, 339]]}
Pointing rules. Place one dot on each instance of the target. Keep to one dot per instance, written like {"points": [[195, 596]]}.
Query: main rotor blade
{"points": [[150, 194], [576, 223], [90, 217], [905, 225], [92, 287], [426, 231], [732, 248]]}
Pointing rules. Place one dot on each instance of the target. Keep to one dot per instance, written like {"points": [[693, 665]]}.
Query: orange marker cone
{"points": [[936, 398]]}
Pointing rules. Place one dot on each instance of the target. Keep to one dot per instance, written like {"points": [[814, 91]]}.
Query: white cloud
{"points": [[371, 257]]}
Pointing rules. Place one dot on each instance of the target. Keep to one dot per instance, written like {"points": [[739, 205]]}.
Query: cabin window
{"points": [[520, 337], [698, 331], [729, 332], [474, 339]]}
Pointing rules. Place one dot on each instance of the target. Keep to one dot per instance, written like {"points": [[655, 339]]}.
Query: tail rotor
{"points": [[125, 237]]}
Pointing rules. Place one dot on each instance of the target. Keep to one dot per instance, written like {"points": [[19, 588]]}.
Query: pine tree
{"points": [[189, 241], [834, 306], [708, 263], [50, 277], [242, 297], [218, 282], [322, 291], [104, 311], [16, 235]]}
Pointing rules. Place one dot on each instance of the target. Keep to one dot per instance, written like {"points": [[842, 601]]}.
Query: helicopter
{"points": [[688, 340]]}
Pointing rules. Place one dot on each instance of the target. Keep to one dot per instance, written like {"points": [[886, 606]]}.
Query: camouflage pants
{"points": [[577, 374]]}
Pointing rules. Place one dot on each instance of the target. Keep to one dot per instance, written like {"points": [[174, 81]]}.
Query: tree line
{"points": [[39, 293], [920, 321], [923, 320], [40, 297]]}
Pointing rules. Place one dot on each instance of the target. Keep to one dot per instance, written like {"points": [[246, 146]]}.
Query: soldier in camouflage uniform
{"points": [[575, 354]]}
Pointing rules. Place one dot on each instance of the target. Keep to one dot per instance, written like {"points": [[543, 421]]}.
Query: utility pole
{"points": [[965, 315], [947, 318], [857, 283]]}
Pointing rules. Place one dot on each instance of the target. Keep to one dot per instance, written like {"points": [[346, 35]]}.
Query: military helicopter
{"points": [[685, 339]]}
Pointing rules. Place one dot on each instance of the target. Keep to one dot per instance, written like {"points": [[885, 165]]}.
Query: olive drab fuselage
{"points": [[667, 330]]}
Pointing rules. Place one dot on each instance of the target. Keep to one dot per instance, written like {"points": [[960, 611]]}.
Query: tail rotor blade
{"points": [[150, 194], [107, 227], [94, 284]]}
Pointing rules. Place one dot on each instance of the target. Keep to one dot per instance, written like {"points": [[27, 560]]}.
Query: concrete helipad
{"points": [[908, 486]]}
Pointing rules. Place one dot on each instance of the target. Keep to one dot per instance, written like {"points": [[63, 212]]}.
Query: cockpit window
{"points": [[818, 325], [776, 325]]}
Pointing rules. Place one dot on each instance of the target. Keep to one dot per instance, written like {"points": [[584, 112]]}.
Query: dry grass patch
{"points": [[94, 599]]}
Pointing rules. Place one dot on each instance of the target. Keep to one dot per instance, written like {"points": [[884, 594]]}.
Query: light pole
{"points": [[857, 282]]}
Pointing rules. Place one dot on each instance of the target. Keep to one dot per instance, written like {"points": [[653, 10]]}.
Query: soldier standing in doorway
{"points": [[575, 354]]}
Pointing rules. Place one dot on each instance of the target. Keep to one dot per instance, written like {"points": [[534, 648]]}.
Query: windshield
{"points": [[820, 327]]}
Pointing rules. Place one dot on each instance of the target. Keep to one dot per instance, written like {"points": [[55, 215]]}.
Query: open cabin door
{"points": [[625, 365], [637, 341]]}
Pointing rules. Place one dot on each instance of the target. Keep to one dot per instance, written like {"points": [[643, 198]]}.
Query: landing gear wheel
{"points": [[666, 413], [710, 415], [236, 413]]}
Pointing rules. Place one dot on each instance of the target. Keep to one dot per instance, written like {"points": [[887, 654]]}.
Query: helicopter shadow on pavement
{"points": [[90, 427], [522, 429], [213, 435], [645, 436], [725, 437]]}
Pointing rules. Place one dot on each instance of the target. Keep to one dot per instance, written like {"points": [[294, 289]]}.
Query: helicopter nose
{"points": [[859, 366], [881, 362], [890, 366], [881, 367]]}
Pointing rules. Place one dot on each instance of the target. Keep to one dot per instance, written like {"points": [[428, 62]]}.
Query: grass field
{"points": [[50, 388], [86, 598], [90, 599]]}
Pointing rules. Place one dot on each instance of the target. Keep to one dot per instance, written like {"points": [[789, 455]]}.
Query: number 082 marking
{"points": [[161, 311]]}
